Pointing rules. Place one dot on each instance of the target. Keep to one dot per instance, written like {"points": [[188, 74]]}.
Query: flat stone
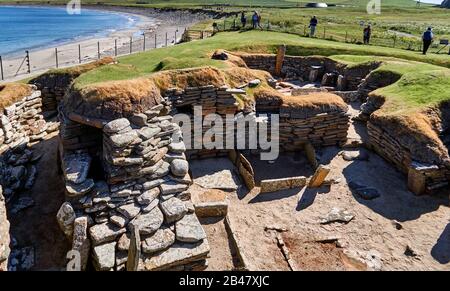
{"points": [[104, 256], [337, 215], [160, 240], [66, 217], [118, 220], [169, 157], [139, 119], [124, 242], [179, 167], [177, 147], [81, 242], [76, 167], [162, 171], [151, 184], [130, 211], [188, 229], [105, 232], [149, 222], [78, 190], [178, 254], [116, 125], [364, 192], [147, 133], [148, 196], [186, 179], [172, 187], [174, 209], [150, 206], [121, 258], [124, 139]]}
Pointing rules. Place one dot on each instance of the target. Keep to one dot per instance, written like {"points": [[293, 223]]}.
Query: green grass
{"points": [[196, 54], [400, 23], [422, 84]]}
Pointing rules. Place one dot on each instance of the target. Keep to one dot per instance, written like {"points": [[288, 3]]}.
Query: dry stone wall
{"points": [[298, 128], [422, 177], [139, 216], [21, 125]]}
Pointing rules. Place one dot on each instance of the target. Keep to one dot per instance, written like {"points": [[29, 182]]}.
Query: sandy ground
{"points": [[222, 254], [397, 231], [150, 22]]}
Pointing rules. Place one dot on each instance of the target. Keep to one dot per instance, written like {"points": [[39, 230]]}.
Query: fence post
{"points": [[131, 44], [56, 56], [98, 50], [27, 57], [175, 42], [166, 38], [144, 40], [224, 24], [324, 31], [115, 47], [156, 42], [346, 33], [1, 67], [395, 39], [79, 53]]}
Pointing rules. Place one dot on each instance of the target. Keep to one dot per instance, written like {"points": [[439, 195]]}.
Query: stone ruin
{"points": [[126, 170], [22, 125], [128, 207]]}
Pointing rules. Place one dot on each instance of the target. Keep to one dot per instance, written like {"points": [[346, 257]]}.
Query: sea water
{"points": [[26, 28]]}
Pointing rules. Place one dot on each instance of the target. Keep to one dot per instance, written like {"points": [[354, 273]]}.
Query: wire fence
{"points": [[73, 54], [379, 36], [70, 55]]}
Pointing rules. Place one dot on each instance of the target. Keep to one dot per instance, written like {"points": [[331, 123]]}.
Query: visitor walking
{"points": [[366, 34], [243, 19], [255, 18], [427, 39], [312, 26], [259, 21]]}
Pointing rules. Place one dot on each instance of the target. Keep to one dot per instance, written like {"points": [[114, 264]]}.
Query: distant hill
{"points": [[445, 4]]}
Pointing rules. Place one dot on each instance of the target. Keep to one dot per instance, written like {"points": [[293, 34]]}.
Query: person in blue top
{"points": [[312, 26], [255, 19], [427, 39]]}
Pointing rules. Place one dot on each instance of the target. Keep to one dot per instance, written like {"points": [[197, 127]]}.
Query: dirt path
{"points": [[37, 226], [396, 231]]}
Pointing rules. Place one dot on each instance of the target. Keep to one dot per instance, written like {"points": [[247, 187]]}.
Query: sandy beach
{"points": [[156, 25]]}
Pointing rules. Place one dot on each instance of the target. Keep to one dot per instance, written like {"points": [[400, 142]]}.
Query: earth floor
{"points": [[396, 231]]}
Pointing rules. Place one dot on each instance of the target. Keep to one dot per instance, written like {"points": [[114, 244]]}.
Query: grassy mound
{"points": [[12, 92]]}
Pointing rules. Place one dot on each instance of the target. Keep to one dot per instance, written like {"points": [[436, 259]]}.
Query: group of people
{"points": [[427, 36], [256, 20]]}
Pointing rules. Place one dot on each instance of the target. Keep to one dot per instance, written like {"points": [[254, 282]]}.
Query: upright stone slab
{"points": [[280, 59], [134, 251], [319, 176]]}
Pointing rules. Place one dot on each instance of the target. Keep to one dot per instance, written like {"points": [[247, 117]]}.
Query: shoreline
{"points": [[150, 21], [141, 21]]}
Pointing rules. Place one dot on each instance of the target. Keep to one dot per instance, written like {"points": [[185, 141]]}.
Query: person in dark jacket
{"points": [[243, 19], [427, 39], [312, 26], [366, 34]]}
